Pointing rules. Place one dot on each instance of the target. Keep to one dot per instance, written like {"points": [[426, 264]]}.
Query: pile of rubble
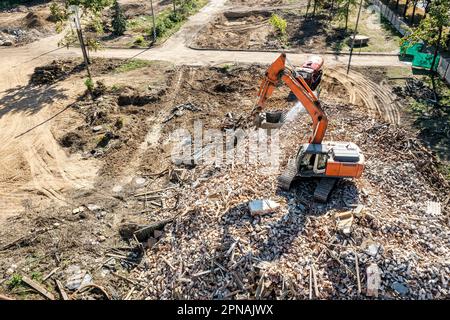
{"points": [[382, 236], [50, 73]]}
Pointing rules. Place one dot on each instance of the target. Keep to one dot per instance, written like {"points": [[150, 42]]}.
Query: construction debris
{"points": [[265, 206], [344, 221], [178, 111], [373, 280], [77, 278], [39, 288], [205, 243]]}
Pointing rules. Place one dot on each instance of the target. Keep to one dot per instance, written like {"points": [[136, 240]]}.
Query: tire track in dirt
{"points": [[377, 97], [152, 137], [33, 167]]}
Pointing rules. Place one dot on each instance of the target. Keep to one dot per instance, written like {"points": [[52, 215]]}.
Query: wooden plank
{"points": [[2, 297], [61, 290], [50, 274], [38, 288]]}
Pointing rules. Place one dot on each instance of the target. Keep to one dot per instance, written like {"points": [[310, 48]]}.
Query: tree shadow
{"points": [[29, 98], [311, 30]]}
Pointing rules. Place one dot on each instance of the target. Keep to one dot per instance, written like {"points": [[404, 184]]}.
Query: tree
{"points": [[119, 23], [91, 17], [405, 10], [344, 10], [434, 28], [415, 3]]}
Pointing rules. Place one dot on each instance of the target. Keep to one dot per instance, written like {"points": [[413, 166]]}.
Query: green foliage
{"points": [[139, 39], [57, 12], [428, 28], [91, 13], [37, 276], [119, 23], [89, 83], [133, 65], [279, 24], [94, 6], [15, 281], [344, 7], [169, 21]]}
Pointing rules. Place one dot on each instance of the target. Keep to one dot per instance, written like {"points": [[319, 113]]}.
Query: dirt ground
{"points": [[252, 30], [25, 24], [255, 3], [123, 139]]}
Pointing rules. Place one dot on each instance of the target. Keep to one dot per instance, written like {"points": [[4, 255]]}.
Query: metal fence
{"points": [[400, 25]]}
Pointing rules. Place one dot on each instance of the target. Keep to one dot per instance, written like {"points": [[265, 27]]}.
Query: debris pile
{"points": [[216, 249], [416, 89], [50, 73]]}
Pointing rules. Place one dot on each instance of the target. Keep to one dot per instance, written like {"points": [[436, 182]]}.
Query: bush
{"points": [[279, 24], [139, 40], [119, 23], [89, 84], [15, 281], [57, 12]]}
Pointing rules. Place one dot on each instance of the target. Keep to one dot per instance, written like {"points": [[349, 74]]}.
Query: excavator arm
{"points": [[278, 72]]}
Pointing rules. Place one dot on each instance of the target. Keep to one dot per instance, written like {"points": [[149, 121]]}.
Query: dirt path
{"points": [[34, 167]]}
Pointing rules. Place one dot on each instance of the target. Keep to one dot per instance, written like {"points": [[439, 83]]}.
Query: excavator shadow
{"points": [[272, 237]]}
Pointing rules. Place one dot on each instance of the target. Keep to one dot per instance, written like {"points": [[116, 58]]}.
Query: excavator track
{"points": [[324, 188], [289, 174]]}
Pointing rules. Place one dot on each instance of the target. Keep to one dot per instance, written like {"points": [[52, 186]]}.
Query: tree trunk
{"points": [[153, 21], [315, 6], [427, 7], [331, 9], [405, 9], [307, 9], [346, 15], [414, 12], [396, 5], [436, 50], [174, 6]]}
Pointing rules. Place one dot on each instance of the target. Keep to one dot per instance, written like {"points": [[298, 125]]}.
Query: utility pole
{"points": [[76, 23], [354, 36], [154, 24]]}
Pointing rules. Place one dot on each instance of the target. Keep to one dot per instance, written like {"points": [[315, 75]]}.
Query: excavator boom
{"points": [[279, 72]]}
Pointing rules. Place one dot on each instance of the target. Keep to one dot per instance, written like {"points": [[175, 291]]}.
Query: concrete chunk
{"points": [[264, 206]]}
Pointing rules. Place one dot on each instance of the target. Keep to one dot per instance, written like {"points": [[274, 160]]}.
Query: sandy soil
{"points": [[26, 25]]}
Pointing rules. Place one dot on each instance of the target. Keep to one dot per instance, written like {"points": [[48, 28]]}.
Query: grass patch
{"points": [[37, 276], [134, 64], [383, 37], [167, 22], [15, 281]]}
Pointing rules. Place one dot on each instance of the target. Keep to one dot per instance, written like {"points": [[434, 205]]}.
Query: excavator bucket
{"points": [[270, 120]]}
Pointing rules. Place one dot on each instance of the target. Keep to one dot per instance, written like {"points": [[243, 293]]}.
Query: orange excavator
{"points": [[328, 161]]}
